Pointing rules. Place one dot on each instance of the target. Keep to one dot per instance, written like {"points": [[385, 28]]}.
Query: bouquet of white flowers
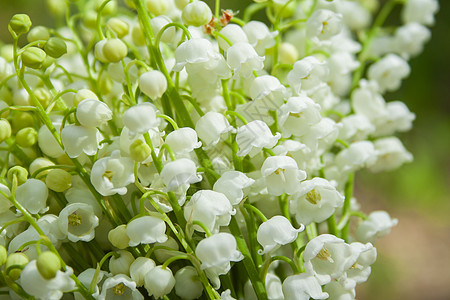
{"points": [[157, 148]]}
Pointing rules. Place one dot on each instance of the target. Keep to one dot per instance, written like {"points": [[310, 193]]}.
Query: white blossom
{"points": [[254, 136], [78, 221], [275, 232], [183, 140], [302, 287], [93, 113], [80, 139], [153, 83], [187, 285], [421, 11], [377, 225], [180, 172], [244, 60], [139, 267], [232, 185], [391, 154], [140, 118], [281, 175], [32, 195], [120, 287], [146, 230], [388, 72], [323, 24], [211, 126], [259, 36], [234, 34], [159, 281]]}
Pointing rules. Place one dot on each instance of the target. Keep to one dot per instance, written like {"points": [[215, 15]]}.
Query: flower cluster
{"points": [[158, 148]]}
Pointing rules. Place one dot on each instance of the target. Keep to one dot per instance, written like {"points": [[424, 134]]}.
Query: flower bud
{"points": [[118, 237], [153, 84], [40, 163], [16, 259], [157, 7], [137, 35], [20, 24], [196, 13], [106, 84], [159, 281], [118, 26], [83, 94], [121, 264], [21, 120], [5, 130], [3, 255], [109, 9], [20, 172], [56, 7], [33, 57], [139, 150], [58, 180], [288, 53], [180, 4], [26, 137], [114, 50], [38, 33], [139, 268], [55, 47], [43, 96], [48, 264], [90, 19]]}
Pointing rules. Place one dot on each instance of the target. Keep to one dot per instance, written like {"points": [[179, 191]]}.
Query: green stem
{"points": [[347, 204]]}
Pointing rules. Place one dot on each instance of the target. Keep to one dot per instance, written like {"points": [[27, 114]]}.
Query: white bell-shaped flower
{"points": [[323, 24], [93, 113], [159, 281], [355, 128], [80, 139], [153, 84], [86, 277], [397, 118], [338, 292], [303, 286], [254, 136], [391, 154], [211, 126], [32, 195], [354, 14], [244, 60], [234, 34], [183, 140], [47, 142], [120, 287], [268, 89], [275, 232], [158, 23], [37, 286], [146, 230], [358, 155], [122, 263], [388, 72], [78, 221], [139, 268], [196, 13], [180, 172], [307, 73], [377, 225], [367, 101], [211, 208], [297, 115], [215, 253], [187, 285], [259, 36], [140, 118], [327, 257], [5, 204], [111, 175], [315, 201], [232, 184], [409, 39], [364, 256], [281, 175], [420, 11], [273, 288]]}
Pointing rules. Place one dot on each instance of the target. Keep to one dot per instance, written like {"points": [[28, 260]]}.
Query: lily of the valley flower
{"points": [[33, 196], [377, 225], [275, 232], [146, 230], [180, 172], [183, 140], [254, 136], [281, 175], [80, 139], [187, 285], [120, 287], [159, 281], [140, 118], [302, 287], [78, 221], [93, 113], [232, 184], [211, 126]]}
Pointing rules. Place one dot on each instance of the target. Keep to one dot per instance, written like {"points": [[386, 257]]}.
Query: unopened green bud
{"points": [[114, 50], [288, 54], [118, 237], [55, 47], [57, 7], [83, 94], [285, 11], [110, 8], [139, 150], [15, 259], [21, 120], [33, 57], [157, 7], [180, 4], [20, 24], [40, 163], [130, 4], [48, 264], [43, 96], [58, 180], [118, 26], [137, 35], [20, 172], [26, 137], [196, 13], [5, 130], [3, 255], [38, 33], [106, 84], [90, 19]]}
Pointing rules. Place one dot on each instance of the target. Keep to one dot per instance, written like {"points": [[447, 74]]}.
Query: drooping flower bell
{"points": [[78, 221], [146, 230]]}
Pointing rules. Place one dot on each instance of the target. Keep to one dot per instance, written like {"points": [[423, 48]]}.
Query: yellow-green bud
{"points": [[58, 180], [90, 19], [114, 50], [7, 52], [139, 150], [16, 259], [286, 10], [20, 172], [55, 47], [40, 163], [5, 130], [21, 120], [20, 24], [48, 264], [33, 57], [83, 94], [106, 84], [3, 255], [157, 7], [57, 7], [109, 8], [43, 96], [118, 237], [288, 54], [180, 4], [137, 35], [26, 137], [196, 13], [38, 33], [118, 26], [130, 4]]}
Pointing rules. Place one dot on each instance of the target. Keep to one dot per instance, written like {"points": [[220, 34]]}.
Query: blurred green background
{"points": [[414, 260]]}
